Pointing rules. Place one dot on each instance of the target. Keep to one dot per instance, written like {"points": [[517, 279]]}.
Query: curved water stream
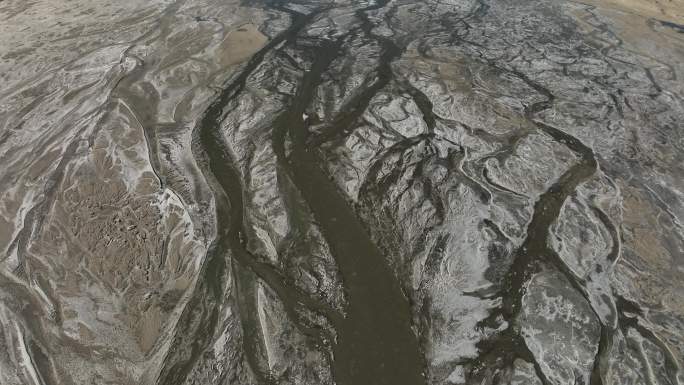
{"points": [[375, 343]]}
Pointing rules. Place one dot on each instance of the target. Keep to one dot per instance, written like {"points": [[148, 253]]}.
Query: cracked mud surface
{"points": [[342, 192]]}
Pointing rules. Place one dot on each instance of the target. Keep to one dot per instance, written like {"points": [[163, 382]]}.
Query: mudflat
{"points": [[342, 192]]}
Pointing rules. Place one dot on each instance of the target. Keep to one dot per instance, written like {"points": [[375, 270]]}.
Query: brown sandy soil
{"points": [[666, 10]]}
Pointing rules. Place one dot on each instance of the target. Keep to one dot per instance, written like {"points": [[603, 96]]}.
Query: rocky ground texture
{"points": [[342, 192]]}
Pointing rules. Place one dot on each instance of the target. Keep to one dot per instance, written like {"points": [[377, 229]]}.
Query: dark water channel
{"points": [[375, 343]]}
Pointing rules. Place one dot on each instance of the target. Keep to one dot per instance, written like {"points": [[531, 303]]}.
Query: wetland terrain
{"points": [[262, 192]]}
